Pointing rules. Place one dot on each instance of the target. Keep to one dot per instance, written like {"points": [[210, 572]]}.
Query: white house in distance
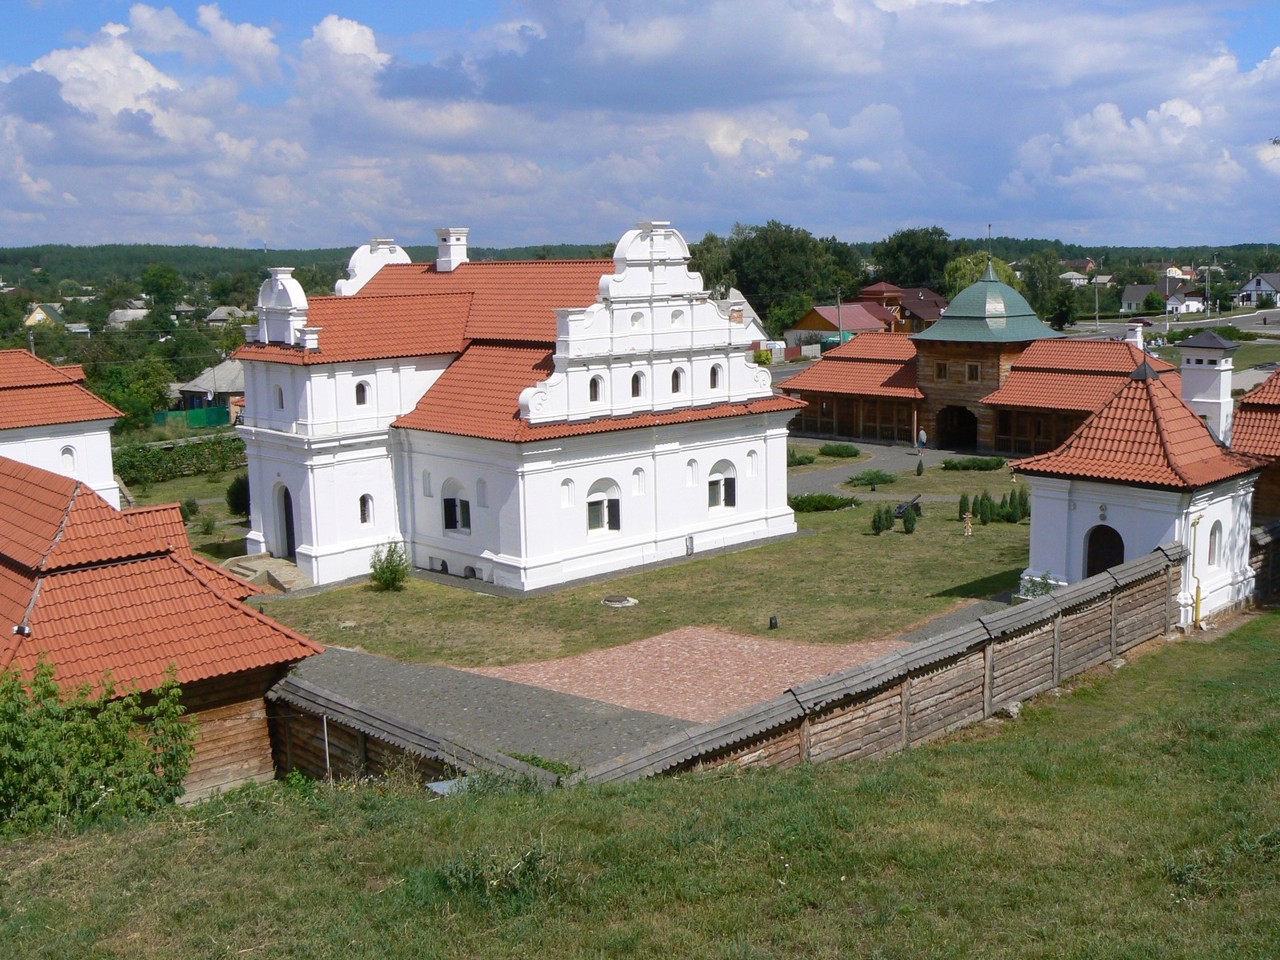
{"points": [[50, 420], [526, 423], [1143, 471]]}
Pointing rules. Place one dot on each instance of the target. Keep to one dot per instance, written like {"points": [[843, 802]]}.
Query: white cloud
{"points": [[251, 50], [106, 77]]}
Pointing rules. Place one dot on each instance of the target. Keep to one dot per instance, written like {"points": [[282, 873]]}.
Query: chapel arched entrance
{"points": [[288, 544], [957, 428], [1103, 549]]}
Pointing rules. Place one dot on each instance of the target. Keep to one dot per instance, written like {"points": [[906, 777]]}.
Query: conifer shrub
{"points": [[964, 506], [973, 463], [844, 450], [874, 477], [797, 459], [920, 467], [819, 502], [909, 522], [238, 495], [389, 567]]}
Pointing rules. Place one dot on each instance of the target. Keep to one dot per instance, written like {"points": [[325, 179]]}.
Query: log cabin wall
{"points": [[233, 743], [935, 687], [326, 748]]}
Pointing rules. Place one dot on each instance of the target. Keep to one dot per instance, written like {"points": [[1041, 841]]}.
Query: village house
{"points": [[98, 593], [1256, 288], [524, 423], [49, 419], [912, 308], [838, 320]]}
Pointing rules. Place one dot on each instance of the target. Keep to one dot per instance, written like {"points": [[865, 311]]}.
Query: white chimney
{"points": [[453, 248], [1207, 366], [1134, 335]]}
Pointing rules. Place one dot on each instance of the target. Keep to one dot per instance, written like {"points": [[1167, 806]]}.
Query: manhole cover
{"points": [[618, 600]]}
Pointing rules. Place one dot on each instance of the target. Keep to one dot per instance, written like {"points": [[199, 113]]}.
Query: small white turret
{"points": [[282, 308], [366, 261], [1207, 366], [452, 251]]}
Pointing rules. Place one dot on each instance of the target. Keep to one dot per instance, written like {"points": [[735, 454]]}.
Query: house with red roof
{"points": [[524, 423], [101, 594], [1256, 430], [49, 419], [838, 320], [1143, 471]]}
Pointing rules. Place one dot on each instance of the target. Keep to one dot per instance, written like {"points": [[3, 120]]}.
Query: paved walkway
{"points": [[891, 458]]}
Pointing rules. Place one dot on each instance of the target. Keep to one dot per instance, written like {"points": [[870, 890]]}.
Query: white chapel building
{"points": [[526, 423]]}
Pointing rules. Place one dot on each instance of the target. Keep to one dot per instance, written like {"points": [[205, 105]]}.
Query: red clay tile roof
{"points": [[1256, 428], [99, 593], [871, 364], [34, 393], [1077, 375], [375, 328], [514, 300], [478, 396], [164, 522], [1146, 436]]}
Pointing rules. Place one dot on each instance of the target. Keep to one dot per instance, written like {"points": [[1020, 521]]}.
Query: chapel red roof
{"points": [[478, 396], [35, 393], [375, 328], [164, 523], [514, 300], [1146, 435], [1256, 428], [871, 364], [1076, 375], [99, 593]]}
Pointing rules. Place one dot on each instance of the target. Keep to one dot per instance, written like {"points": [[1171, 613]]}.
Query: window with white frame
{"points": [[722, 486], [362, 393], [1215, 544], [677, 381], [595, 390], [68, 456], [717, 374], [279, 397], [637, 384], [366, 509], [604, 507], [457, 510]]}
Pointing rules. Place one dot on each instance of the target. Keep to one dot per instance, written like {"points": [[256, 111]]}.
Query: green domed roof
{"points": [[988, 312]]}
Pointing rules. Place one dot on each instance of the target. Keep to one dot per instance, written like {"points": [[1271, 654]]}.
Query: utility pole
{"points": [[31, 342]]}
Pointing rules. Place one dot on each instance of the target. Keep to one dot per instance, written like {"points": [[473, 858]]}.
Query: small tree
{"points": [[1024, 502], [964, 506], [909, 521], [1153, 302], [389, 567], [920, 466], [238, 495]]}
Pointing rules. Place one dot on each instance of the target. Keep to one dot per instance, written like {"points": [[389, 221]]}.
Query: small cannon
{"points": [[913, 504]]}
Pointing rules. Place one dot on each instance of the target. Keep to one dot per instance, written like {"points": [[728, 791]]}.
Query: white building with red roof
{"points": [[98, 593], [1144, 470], [49, 419], [525, 423]]}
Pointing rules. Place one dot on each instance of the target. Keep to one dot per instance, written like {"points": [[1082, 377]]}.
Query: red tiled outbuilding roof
{"points": [[1077, 375], [478, 396], [96, 592], [871, 364], [1256, 428], [1147, 436], [164, 522], [34, 393]]}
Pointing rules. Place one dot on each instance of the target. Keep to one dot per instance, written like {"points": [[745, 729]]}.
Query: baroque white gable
{"points": [[654, 342]]}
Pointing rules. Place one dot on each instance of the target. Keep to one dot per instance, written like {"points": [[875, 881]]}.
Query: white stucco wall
{"points": [[78, 450], [530, 530], [1063, 512]]}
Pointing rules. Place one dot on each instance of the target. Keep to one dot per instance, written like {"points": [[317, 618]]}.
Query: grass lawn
{"points": [[1137, 817], [838, 584], [210, 490]]}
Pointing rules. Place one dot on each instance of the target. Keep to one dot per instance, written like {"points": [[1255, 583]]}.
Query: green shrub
{"points": [[238, 495], [909, 522], [797, 459], [870, 478], [818, 502], [189, 509], [389, 567], [964, 506], [762, 358], [1024, 501], [208, 524], [144, 464], [920, 467], [845, 450], [986, 508], [973, 463], [77, 758]]}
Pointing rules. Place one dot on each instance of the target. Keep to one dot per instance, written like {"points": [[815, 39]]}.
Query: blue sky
{"points": [[531, 121]]}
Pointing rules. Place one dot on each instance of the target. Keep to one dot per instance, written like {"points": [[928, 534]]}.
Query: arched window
{"points": [[457, 509], [482, 493], [69, 460], [1215, 544], [691, 472], [426, 483], [279, 397], [677, 381], [566, 493], [753, 463], [604, 507], [637, 384], [362, 393], [722, 486], [637, 482], [366, 509], [715, 376], [595, 391]]}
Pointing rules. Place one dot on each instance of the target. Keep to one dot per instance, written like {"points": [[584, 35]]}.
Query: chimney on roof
{"points": [[453, 248], [1207, 366], [1134, 335]]}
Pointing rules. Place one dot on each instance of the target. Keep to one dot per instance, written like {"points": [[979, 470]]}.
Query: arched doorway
{"points": [[1103, 549], [957, 428], [288, 540]]}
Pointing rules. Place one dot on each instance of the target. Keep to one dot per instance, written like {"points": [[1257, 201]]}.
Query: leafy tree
{"points": [[966, 270], [79, 757], [1040, 281], [774, 262], [710, 257], [1153, 302], [163, 285], [787, 314], [238, 495], [1062, 311], [916, 257], [389, 567]]}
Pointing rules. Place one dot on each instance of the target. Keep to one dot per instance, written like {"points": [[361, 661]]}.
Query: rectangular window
{"points": [[973, 372], [940, 371], [457, 514], [602, 514], [714, 493]]}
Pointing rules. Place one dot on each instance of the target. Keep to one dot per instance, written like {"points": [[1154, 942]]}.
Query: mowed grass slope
{"points": [[1137, 817], [837, 583]]}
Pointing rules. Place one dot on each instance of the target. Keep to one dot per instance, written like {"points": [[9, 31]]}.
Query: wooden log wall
{"points": [[927, 691], [1264, 558], [233, 743], [299, 741]]}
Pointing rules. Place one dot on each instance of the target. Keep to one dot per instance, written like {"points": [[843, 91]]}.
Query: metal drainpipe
{"points": [[1195, 576]]}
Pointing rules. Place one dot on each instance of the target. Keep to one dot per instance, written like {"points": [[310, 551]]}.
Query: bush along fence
{"points": [[142, 463], [932, 688]]}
